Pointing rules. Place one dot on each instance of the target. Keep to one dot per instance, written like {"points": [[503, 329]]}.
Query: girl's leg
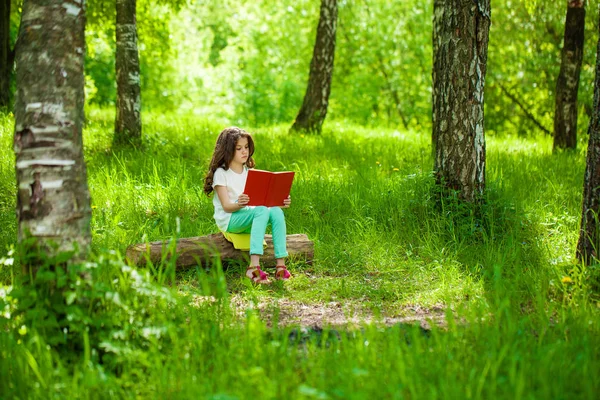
{"points": [[259, 228], [255, 221], [241, 222], [278, 227]]}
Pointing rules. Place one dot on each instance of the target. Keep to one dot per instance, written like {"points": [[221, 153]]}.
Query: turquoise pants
{"points": [[254, 220]]}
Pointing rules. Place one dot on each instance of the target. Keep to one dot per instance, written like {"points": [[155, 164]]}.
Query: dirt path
{"points": [[335, 314]]}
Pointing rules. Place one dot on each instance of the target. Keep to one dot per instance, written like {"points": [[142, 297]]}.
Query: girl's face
{"points": [[241, 151]]}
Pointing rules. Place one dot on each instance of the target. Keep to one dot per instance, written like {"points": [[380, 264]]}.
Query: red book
{"points": [[267, 188]]}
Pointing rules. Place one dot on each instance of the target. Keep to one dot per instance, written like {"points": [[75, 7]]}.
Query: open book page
{"points": [[267, 188]]}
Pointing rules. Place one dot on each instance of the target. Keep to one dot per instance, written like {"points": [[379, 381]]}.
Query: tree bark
{"points": [[314, 107], [567, 85], [128, 124], [6, 60], [589, 237], [53, 202], [460, 41], [203, 250]]}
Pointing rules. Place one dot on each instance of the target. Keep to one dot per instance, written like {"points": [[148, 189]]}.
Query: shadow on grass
{"points": [[495, 240], [325, 337]]}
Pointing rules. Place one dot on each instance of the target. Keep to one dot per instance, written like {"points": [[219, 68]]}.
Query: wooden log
{"points": [[205, 250]]}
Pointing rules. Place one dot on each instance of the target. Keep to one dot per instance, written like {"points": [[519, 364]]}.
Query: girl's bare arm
{"points": [[228, 205]]}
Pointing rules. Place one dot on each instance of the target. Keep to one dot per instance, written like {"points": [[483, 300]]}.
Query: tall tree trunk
{"points": [[589, 235], [6, 59], [314, 107], [565, 110], [53, 202], [460, 41], [128, 124]]}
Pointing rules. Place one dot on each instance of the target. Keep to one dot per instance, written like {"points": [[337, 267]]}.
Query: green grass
{"points": [[384, 243]]}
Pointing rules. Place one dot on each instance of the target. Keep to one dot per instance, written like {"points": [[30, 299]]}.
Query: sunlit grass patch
{"points": [[364, 195]]}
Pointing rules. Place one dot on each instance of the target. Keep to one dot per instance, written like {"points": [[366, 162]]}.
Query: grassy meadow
{"points": [[519, 317]]}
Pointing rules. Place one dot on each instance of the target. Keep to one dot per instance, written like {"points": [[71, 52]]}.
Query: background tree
{"points": [[589, 237], [314, 107], [53, 202], [128, 123], [565, 111], [460, 40]]}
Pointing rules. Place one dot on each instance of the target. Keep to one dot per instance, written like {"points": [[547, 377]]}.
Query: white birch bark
{"points": [[461, 31], [53, 203], [128, 123]]}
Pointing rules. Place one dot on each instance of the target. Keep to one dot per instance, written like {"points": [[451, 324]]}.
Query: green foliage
{"points": [[15, 7], [100, 321], [383, 63], [100, 86], [8, 198], [524, 56], [248, 63], [160, 85], [103, 308]]}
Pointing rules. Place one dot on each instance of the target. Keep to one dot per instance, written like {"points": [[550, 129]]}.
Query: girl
{"points": [[227, 175]]}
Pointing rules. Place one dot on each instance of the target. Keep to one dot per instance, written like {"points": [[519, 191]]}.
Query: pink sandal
{"points": [[257, 275], [281, 273]]}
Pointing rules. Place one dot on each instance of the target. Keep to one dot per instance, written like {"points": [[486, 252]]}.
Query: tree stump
{"points": [[205, 250]]}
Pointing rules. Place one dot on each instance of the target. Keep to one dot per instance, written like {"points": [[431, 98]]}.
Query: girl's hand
{"points": [[287, 202], [243, 200]]}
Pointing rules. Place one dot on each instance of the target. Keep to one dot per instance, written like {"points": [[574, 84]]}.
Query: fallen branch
{"points": [[205, 250]]}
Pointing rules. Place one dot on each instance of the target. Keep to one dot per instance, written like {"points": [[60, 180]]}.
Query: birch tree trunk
{"points": [[314, 107], [128, 124], [460, 41], [53, 202], [589, 237], [6, 60], [567, 85]]}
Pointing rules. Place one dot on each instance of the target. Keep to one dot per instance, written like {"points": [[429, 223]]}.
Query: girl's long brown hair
{"points": [[224, 152]]}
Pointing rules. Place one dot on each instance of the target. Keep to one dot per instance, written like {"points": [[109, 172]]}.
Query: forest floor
{"points": [[284, 304], [335, 314], [285, 312]]}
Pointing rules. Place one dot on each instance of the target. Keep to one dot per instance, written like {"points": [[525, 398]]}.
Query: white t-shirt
{"points": [[235, 184]]}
